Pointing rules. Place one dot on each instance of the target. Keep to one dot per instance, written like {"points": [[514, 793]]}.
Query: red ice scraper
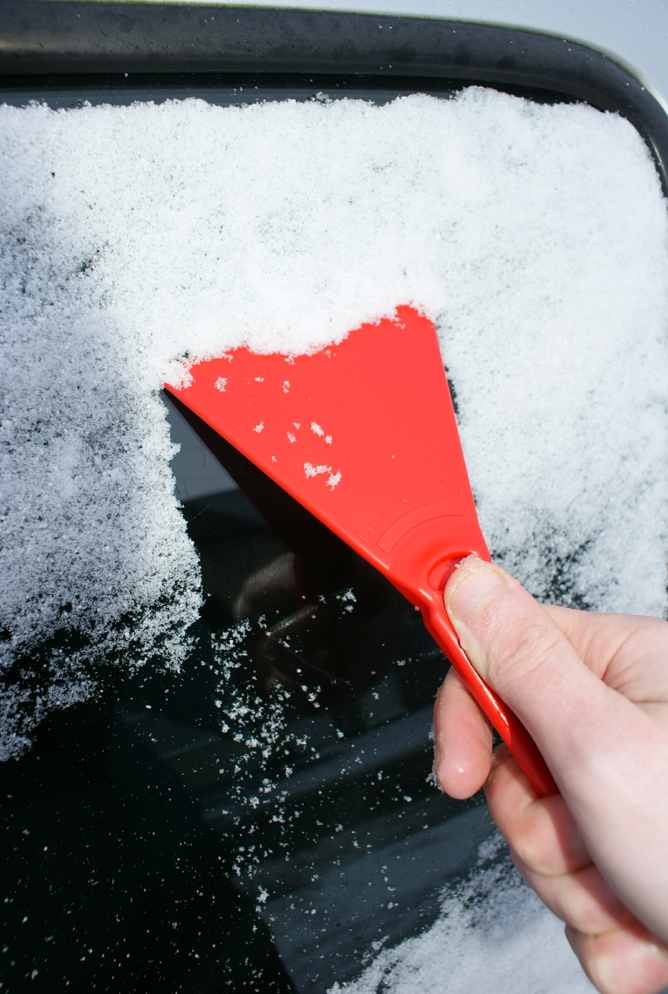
{"points": [[363, 434]]}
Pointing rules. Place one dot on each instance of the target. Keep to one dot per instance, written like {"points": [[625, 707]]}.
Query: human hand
{"points": [[592, 690]]}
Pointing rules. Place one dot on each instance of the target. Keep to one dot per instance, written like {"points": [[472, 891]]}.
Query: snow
{"points": [[493, 933], [311, 470]]}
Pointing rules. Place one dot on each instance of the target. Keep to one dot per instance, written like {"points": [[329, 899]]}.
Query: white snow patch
{"points": [[137, 240], [311, 470], [259, 428], [221, 383], [347, 596], [492, 933], [333, 479]]}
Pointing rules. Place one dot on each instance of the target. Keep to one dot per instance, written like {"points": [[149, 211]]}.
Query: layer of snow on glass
{"points": [[493, 934], [535, 236]]}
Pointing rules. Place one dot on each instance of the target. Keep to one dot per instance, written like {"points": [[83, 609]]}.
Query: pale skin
{"points": [[592, 690]]}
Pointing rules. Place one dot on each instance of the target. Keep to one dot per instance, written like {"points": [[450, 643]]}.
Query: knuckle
{"points": [[521, 648], [530, 850]]}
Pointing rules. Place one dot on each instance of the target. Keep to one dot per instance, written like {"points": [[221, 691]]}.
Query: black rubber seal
{"points": [[46, 45]]}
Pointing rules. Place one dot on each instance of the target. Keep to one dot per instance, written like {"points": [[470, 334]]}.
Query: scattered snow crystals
{"points": [[259, 727], [221, 383], [286, 386], [259, 428], [317, 430], [312, 470], [535, 236], [291, 437], [349, 600]]}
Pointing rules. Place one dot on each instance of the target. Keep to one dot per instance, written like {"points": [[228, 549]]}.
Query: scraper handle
{"points": [[507, 724]]}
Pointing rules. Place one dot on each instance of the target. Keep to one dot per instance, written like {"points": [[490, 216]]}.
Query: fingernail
{"points": [[472, 589], [630, 959]]}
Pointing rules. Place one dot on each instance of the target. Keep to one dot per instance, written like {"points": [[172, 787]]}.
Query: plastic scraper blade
{"points": [[363, 434]]}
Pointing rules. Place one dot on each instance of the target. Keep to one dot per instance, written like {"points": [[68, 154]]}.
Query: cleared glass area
{"points": [[261, 819]]}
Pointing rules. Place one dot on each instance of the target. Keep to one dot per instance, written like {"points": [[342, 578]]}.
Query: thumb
{"points": [[518, 650]]}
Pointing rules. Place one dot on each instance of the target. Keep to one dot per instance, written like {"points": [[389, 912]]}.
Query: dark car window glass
{"points": [[261, 819]]}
